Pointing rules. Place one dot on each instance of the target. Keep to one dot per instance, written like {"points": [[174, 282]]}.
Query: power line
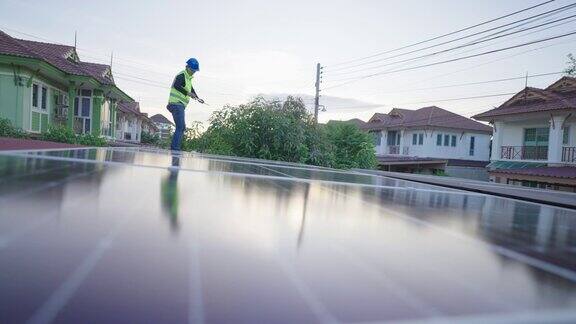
{"points": [[527, 20], [476, 42], [448, 34], [453, 60], [474, 83]]}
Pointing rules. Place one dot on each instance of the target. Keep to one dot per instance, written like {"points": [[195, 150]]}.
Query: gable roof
{"points": [[558, 96], [63, 57], [132, 107], [424, 117], [159, 118]]}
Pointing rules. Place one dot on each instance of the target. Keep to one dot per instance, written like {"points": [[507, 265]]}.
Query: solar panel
{"points": [[140, 235]]}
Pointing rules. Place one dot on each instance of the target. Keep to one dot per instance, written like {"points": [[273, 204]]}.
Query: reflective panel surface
{"points": [[139, 235]]}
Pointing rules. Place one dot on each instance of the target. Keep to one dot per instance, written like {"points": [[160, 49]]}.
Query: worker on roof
{"points": [[180, 95]]}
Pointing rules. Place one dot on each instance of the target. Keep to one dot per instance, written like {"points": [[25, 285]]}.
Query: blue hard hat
{"points": [[193, 64]]}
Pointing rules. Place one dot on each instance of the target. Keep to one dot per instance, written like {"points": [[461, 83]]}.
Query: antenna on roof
{"points": [[526, 87], [111, 59], [75, 39]]}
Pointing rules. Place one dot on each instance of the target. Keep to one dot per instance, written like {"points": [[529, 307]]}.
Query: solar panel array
{"points": [[138, 235]]}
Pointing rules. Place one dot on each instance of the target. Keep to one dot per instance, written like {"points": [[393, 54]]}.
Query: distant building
{"points": [[129, 122], [534, 142], [430, 140], [165, 126]]}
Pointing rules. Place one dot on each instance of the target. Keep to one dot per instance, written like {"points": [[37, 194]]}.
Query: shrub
{"points": [[8, 130], [90, 140], [60, 134], [352, 147], [151, 139]]}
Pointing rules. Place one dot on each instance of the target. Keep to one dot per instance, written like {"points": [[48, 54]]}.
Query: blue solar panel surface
{"points": [[127, 235]]}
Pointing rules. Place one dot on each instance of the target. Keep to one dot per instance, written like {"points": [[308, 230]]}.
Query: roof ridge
{"points": [[38, 42]]}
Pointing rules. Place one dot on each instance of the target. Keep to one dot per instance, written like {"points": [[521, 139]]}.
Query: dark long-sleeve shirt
{"points": [[179, 83]]}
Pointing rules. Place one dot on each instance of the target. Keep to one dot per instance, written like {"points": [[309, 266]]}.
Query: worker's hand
{"points": [[200, 100]]}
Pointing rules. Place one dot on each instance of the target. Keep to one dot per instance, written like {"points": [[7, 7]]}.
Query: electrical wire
{"points": [[527, 20], [453, 60], [461, 46], [447, 34]]}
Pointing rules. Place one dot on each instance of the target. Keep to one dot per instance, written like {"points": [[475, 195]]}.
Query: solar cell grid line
{"points": [[519, 257], [312, 300], [409, 298], [237, 174], [49, 311], [399, 292], [48, 185], [35, 173], [7, 239]]}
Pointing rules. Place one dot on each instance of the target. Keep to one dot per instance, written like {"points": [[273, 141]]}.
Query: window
{"points": [[414, 139], [377, 137], [83, 111], [439, 140], [420, 139], [472, 144], [446, 140], [536, 136], [35, 95], [453, 142], [44, 98], [566, 135]]}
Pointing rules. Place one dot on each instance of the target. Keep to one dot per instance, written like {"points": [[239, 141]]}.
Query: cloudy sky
{"points": [[249, 47]]}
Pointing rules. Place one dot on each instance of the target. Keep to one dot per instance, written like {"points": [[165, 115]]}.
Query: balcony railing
{"points": [[393, 149], [524, 152], [405, 150], [569, 154]]}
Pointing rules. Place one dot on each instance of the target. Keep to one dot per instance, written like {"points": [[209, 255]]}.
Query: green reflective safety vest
{"points": [[177, 97]]}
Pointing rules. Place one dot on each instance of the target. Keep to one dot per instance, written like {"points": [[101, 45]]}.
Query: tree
{"points": [[284, 131], [352, 148], [571, 68]]}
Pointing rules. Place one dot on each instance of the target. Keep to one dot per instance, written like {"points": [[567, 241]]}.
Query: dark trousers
{"points": [[178, 115]]}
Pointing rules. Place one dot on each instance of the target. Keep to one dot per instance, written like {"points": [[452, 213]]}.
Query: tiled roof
{"points": [[98, 72], [131, 107], [54, 54], [159, 118], [554, 172], [424, 117], [558, 96]]}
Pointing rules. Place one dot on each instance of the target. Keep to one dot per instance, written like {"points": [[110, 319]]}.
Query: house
{"points": [[430, 140], [148, 125], [534, 142], [165, 126], [42, 84], [129, 122]]}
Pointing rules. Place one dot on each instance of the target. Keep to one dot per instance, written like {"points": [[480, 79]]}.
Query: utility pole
{"points": [[317, 98]]}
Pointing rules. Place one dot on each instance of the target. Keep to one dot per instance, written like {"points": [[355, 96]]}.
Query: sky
{"points": [[270, 48]]}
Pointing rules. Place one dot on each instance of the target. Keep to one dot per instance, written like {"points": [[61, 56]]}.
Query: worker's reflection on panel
{"points": [[170, 194]]}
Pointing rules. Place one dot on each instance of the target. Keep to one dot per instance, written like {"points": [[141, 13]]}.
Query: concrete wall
{"points": [[472, 173]]}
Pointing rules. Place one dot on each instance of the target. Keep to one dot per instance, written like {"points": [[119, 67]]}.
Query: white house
{"points": [[428, 138], [165, 126], [534, 141], [129, 122]]}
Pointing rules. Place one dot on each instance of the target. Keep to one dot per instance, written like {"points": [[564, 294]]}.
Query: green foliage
{"points": [[90, 140], [8, 130], [63, 134], [571, 68], [352, 148], [285, 131], [59, 134], [151, 139]]}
